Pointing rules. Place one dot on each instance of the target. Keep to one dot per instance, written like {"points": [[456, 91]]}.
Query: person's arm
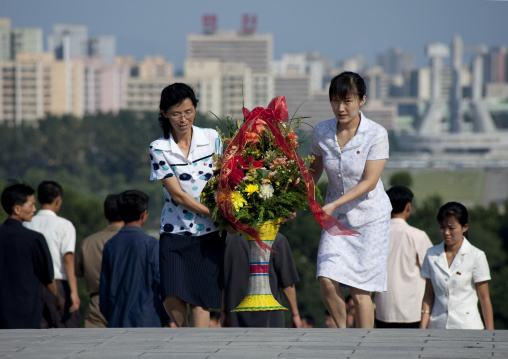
{"points": [[79, 267], [224, 315], [485, 303], [372, 174], [178, 195], [68, 262], [52, 288], [290, 294], [427, 304], [316, 168]]}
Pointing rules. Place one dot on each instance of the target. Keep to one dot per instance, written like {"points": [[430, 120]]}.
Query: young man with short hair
{"points": [[25, 263], [89, 260], [129, 290], [400, 305], [60, 235]]}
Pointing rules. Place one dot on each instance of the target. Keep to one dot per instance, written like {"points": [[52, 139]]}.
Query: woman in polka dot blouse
{"points": [[191, 250]]}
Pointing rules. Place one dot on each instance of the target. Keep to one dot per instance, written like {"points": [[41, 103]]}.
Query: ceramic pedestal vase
{"points": [[259, 297]]}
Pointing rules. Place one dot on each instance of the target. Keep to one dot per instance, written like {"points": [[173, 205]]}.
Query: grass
{"points": [[464, 185]]}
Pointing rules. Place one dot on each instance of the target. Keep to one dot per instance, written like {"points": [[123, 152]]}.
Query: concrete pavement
{"points": [[252, 343]]}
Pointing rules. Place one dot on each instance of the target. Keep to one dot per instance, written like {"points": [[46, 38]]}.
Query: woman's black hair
{"points": [[347, 84], [455, 210], [171, 95]]}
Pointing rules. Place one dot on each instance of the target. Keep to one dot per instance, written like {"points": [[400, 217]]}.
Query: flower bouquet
{"points": [[259, 180]]}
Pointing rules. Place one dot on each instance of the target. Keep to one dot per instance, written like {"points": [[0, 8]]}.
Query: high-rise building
{"points": [[103, 47], [35, 84], [253, 49], [238, 47], [68, 41], [394, 61], [142, 89], [495, 65], [222, 87], [5, 39], [14, 41], [25, 40]]}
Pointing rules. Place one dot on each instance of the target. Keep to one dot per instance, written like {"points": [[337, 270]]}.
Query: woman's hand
{"points": [[230, 229], [287, 218], [329, 208]]}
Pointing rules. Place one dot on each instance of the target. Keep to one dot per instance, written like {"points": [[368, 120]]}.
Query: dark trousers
{"points": [[380, 324], [53, 318]]}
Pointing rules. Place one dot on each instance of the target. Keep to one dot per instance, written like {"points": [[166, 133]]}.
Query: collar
{"points": [[357, 139], [46, 212], [130, 229], [199, 138], [397, 221], [13, 222], [459, 257], [111, 227]]}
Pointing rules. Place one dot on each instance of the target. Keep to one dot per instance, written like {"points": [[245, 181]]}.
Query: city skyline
{"points": [[408, 25]]}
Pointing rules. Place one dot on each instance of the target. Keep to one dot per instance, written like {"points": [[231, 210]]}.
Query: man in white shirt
{"points": [[400, 305], [60, 235]]}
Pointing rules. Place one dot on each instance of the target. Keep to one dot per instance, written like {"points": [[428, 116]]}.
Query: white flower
{"points": [[266, 191]]}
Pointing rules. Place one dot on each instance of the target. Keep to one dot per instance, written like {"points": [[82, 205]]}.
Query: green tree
{"points": [[402, 178]]}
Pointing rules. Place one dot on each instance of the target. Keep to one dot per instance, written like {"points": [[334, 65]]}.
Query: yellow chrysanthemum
{"points": [[238, 200], [251, 188]]}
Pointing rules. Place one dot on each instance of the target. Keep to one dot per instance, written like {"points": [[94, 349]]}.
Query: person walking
{"points": [[60, 235], [400, 305], [457, 277], [353, 151], [191, 249]]}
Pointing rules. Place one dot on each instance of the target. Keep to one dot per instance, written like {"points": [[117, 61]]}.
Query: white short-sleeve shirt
{"points": [[345, 168], [192, 172], [456, 298], [60, 235]]}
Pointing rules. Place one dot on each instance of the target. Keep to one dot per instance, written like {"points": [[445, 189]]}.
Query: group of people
{"points": [[142, 281]]}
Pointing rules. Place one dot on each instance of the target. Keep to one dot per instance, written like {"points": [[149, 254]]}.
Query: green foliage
{"points": [[108, 153], [401, 178], [264, 183]]}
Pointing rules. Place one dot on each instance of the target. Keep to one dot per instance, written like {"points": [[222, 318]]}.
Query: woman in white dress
{"points": [[457, 275], [353, 151]]}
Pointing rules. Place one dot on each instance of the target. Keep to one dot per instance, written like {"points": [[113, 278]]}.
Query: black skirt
{"points": [[191, 268]]}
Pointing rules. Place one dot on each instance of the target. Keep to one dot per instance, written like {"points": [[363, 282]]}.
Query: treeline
{"points": [[108, 153]]}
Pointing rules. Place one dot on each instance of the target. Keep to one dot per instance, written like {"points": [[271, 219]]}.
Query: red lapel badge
{"points": [[357, 152], [458, 273]]}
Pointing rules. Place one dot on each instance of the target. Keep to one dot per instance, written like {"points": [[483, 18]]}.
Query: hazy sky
{"points": [[335, 28]]}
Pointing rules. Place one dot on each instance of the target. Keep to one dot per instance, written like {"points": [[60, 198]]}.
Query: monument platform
{"points": [[253, 343]]}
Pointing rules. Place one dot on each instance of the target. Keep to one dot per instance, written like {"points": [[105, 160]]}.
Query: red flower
{"points": [[252, 137], [249, 162], [292, 136], [259, 126], [235, 177]]}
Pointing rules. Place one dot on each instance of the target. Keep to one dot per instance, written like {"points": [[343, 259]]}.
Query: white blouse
{"points": [[456, 298], [192, 172], [345, 168]]}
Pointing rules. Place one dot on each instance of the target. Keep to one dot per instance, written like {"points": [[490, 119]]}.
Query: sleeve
{"points": [[379, 150], [68, 238], [422, 245], [218, 143], [283, 262], [425, 272], [315, 149], [157, 290], [104, 284], [160, 167], [43, 263], [79, 268], [481, 270]]}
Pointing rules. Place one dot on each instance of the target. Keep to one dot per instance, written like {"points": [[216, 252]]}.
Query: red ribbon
{"points": [[275, 112]]}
